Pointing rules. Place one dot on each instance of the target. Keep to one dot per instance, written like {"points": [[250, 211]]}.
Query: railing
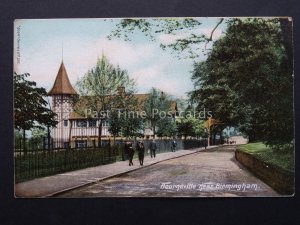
{"points": [[40, 163], [33, 161]]}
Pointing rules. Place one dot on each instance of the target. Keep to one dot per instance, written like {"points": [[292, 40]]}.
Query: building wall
{"points": [[80, 130], [62, 106]]}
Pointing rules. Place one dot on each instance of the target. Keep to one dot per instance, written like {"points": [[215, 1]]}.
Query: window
{"points": [[66, 123], [80, 144], [92, 123], [105, 123], [81, 123], [66, 144]]}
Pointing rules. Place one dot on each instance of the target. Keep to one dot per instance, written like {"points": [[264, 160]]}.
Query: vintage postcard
{"points": [[153, 107]]}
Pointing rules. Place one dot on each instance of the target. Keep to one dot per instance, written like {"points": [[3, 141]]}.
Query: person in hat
{"points": [[141, 152]]}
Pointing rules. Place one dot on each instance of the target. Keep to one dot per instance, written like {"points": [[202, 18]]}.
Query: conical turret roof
{"points": [[62, 83]]}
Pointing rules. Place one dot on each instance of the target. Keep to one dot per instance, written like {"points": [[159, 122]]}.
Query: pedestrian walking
{"points": [[153, 148], [173, 146], [141, 152], [129, 149]]}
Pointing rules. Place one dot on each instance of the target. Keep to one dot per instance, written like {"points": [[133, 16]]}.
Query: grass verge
{"points": [[283, 158]]}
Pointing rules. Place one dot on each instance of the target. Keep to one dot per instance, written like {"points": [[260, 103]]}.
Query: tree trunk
{"points": [[221, 137], [154, 131], [48, 137], [208, 138], [24, 142], [252, 137], [214, 137], [287, 36]]}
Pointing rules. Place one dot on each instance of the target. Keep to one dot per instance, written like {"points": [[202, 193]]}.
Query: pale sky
{"points": [[39, 45]]}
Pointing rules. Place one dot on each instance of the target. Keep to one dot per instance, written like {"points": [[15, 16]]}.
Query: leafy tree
{"points": [[30, 106], [133, 126], [38, 133], [190, 126], [115, 124], [106, 88], [198, 126], [157, 108], [247, 80], [192, 41], [121, 122], [188, 46], [17, 134], [167, 128], [185, 127], [254, 61], [37, 137]]}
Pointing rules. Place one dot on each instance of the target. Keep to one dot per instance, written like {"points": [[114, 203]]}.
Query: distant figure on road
{"points": [[129, 149], [173, 147], [153, 147], [141, 152]]}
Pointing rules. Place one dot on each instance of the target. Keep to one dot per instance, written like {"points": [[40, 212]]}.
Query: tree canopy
{"points": [[30, 107], [157, 107], [188, 41], [107, 88], [247, 80]]}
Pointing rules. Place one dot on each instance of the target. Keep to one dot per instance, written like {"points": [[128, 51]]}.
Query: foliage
{"points": [[189, 40], [283, 159], [115, 123], [246, 76], [185, 128], [190, 126], [167, 127], [132, 126], [37, 137], [158, 109], [104, 79], [101, 83], [30, 107], [107, 88], [121, 122], [17, 135], [246, 81], [38, 133], [198, 126]]}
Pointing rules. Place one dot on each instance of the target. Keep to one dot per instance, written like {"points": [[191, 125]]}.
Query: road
{"points": [[210, 173]]}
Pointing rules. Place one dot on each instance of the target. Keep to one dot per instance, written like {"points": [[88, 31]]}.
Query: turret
{"points": [[62, 94]]}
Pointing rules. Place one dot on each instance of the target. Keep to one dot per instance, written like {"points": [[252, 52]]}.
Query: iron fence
{"points": [[33, 160]]}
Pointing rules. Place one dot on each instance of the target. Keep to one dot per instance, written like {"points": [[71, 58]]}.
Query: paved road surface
{"points": [[210, 173]]}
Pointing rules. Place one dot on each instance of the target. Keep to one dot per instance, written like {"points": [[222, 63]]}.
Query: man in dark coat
{"points": [[130, 151], [141, 151], [153, 147], [174, 144]]}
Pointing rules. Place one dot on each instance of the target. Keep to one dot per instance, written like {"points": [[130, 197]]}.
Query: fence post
{"points": [[109, 153]]}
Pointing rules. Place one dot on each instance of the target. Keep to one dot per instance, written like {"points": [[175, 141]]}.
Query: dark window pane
{"points": [[81, 123], [66, 123], [92, 123]]}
